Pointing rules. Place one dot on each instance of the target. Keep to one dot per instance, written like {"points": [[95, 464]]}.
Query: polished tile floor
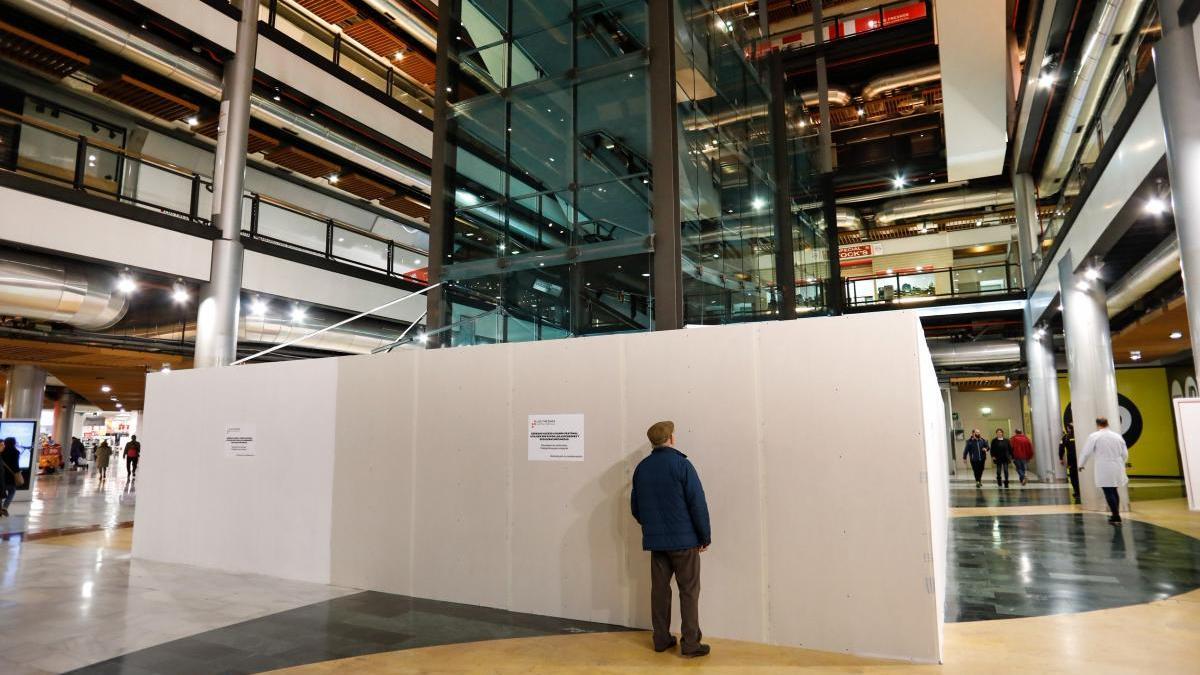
{"points": [[964, 493], [1070, 585], [73, 501]]}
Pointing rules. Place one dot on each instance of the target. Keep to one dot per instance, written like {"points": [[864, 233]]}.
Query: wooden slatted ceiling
{"points": [[420, 68], [333, 11], [147, 98], [408, 206], [302, 162], [364, 187], [257, 141], [1151, 334], [378, 39], [84, 369], [33, 52]]}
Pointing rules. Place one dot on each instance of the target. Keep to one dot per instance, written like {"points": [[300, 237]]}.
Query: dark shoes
{"points": [[1114, 520], [700, 650], [666, 647], [978, 484]]}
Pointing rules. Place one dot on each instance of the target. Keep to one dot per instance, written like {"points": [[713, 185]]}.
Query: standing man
{"points": [[668, 502], [1066, 457], [976, 450], [1001, 457], [133, 450], [1022, 452], [1109, 449]]}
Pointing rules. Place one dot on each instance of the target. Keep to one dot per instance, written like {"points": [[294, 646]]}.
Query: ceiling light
{"points": [[192, 121], [105, 388], [1175, 335], [1155, 206], [258, 308], [126, 284], [1007, 384], [180, 294], [986, 411], [113, 398], [1091, 274], [399, 56], [297, 314], [861, 112], [1046, 80], [333, 178], [1135, 355], [166, 368], [645, 274], [898, 182], [758, 203], [422, 338], [120, 407]]}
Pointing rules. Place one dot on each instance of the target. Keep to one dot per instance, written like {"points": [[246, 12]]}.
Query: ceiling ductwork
{"points": [[881, 85], [837, 98], [951, 354], [403, 18], [945, 202], [1111, 20], [41, 288], [1159, 265], [144, 50], [368, 335], [848, 220]]}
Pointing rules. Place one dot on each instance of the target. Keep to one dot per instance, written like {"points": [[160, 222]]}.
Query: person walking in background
{"points": [[78, 452], [103, 453], [10, 473], [976, 450], [1022, 453], [1108, 448], [1066, 457], [668, 502], [133, 450], [1001, 457]]}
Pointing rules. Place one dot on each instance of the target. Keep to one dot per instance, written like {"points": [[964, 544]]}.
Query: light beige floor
{"points": [[1159, 638]]}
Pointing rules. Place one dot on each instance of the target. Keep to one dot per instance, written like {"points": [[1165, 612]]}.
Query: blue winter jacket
{"points": [[668, 502]]}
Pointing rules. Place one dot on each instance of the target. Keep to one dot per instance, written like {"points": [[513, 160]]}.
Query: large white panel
{"points": [[462, 476], [973, 49], [575, 516], [706, 382], [372, 475], [848, 532], [266, 514]]}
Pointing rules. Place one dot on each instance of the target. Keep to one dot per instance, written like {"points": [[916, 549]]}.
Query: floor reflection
{"points": [[1004, 567], [73, 501]]}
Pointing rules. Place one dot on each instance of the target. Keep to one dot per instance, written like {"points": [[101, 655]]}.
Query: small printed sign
{"points": [[556, 438], [240, 441]]}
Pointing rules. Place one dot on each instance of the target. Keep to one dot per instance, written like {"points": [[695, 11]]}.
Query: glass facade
{"points": [[551, 230]]}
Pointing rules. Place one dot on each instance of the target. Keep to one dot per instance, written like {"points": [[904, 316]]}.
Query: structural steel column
{"points": [[442, 172], [1179, 95], [1028, 224], [217, 316], [667, 260], [1043, 398], [24, 391], [64, 417], [785, 245], [1090, 368], [833, 296]]}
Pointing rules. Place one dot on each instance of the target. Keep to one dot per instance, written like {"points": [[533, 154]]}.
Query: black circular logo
{"points": [[1131, 419]]}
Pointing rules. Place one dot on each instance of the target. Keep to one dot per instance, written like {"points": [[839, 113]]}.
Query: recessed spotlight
{"points": [[126, 284], [1135, 355], [1091, 274], [192, 121], [758, 203], [105, 388], [1175, 335], [898, 182], [298, 314], [1046, 80], [258, 308], [180, 295], [1155, 206]]}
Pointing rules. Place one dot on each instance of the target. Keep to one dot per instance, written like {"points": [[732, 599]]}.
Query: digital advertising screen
{"points": [[25, 431]]}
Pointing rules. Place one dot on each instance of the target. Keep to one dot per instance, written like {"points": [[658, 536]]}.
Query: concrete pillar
{"points": [[1178, 77], [64, 418], [220, 302], [1090, 368], [1043, 399], [24, 392], [1028, 225]]}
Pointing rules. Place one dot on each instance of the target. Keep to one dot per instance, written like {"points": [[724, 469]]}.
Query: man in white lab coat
{"points": [[1110, 453]]}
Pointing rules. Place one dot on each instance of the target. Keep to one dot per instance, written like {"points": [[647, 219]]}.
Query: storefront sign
{"points": [[556, 438], [856, 251], [240, 441]]}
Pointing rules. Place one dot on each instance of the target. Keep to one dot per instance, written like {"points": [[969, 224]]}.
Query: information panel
{"points": [[556, 438], [240, 441]]}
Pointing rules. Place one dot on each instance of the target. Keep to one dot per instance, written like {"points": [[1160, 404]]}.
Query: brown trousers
{"points": [[685, 567]]}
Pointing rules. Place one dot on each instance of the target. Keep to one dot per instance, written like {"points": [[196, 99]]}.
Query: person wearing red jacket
{"points": [[1022, 451]]}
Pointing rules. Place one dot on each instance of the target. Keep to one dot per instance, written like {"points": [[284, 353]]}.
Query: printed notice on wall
{"points": [[239, 441], [556, 438]]}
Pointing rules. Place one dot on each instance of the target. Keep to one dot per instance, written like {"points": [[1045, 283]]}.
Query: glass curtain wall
{"points": [[549, 146], [550, 235]]}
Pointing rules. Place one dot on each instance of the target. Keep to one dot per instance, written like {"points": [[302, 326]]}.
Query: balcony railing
{"points": [[839, 27], [920, 285], [57, 155]]}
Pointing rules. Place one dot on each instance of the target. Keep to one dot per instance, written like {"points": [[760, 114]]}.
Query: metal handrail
{"points": [[79, 178]]}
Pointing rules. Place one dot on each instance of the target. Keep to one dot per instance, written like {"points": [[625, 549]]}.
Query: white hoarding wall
{"points": [[814, 440]]}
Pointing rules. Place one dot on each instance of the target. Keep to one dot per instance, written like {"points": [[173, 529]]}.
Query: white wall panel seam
{"points": [[918, 335], [510, 454], [760, 444], [412, 474]]}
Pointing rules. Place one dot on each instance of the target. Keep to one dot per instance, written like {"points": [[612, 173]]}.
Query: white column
{"points": [[24, 391], [1043, 399], [1090, 368], [1178, 75]]}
